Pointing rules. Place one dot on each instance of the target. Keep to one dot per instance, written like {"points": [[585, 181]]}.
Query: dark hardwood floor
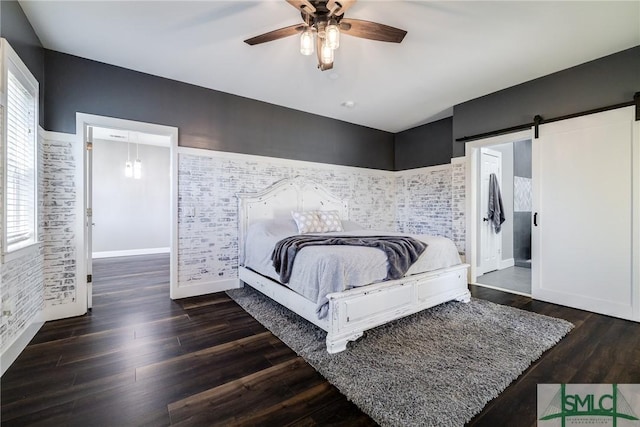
{"points": [[141, 359]]}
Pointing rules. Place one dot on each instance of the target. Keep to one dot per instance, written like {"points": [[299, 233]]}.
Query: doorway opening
{"points": [[131, 209], [501, 247], [130, 214]]}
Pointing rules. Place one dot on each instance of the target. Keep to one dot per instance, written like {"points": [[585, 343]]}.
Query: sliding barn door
{"points": [[585, 213]]}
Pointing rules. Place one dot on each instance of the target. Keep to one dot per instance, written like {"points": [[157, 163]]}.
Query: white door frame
{"points": [[83, 121], [472, 156], [88, 212], [481, 209]]}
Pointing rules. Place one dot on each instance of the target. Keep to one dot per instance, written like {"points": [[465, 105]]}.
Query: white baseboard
{"points": [[185, 291], [613, 308], [506, 263], [11, 353], [63, 311], [130, 252]]}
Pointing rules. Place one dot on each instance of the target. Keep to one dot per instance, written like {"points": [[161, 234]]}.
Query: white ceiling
{"points": [[454, 51]]}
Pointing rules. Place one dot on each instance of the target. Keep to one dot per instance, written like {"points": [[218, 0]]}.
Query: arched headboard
{"points": [[278, 200]]}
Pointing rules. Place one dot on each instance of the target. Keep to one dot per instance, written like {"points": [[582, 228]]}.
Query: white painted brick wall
{"points": [[48, 275], [208, 242], [428, 201], [60, 197], [458, 205], [424, 202], [431, 201], [21, 279]]}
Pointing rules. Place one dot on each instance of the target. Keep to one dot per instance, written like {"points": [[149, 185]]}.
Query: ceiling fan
{"points": [[324, 21]]}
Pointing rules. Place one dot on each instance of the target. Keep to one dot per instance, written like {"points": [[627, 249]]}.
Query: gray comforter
{"points": [[401, 251], [321, 270]]}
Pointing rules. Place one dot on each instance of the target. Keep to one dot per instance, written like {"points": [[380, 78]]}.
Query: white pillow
{"points": [[274, 227], [307, 222], [330, 221]]}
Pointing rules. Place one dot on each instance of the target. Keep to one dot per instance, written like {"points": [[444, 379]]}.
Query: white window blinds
{"points": [[20, 165]]}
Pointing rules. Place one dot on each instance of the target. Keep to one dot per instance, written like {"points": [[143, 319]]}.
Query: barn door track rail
{"points": [[538, 120]]}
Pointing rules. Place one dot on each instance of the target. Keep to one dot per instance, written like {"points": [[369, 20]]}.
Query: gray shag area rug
{"points": [[439, 367]]}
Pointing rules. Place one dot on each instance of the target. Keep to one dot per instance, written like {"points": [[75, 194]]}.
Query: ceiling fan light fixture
{"points": [[306, 42], [326, 54], [332, 35], [323, 25]]}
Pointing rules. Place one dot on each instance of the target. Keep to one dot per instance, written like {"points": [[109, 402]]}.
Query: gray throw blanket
{"points": [[496, 211], [401, 251]]}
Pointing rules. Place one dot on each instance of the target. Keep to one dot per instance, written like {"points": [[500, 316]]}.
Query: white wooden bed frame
{"points": [[353, 311]]}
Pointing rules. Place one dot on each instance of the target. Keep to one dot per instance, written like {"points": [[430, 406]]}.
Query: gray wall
{"points": [[220, 121], [206, 118], [130, 213], [606, 81], [425, 145], [15, 27]]}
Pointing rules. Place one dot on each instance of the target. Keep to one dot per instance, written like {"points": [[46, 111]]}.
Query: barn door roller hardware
{"points": [[537, 120]]}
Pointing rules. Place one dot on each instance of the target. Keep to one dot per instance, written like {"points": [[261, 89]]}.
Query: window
{"points": [[19, 113]]}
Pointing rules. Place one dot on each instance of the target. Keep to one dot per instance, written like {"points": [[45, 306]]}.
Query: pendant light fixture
{"points": [[137, 165], [133, 169], [128, 166]]}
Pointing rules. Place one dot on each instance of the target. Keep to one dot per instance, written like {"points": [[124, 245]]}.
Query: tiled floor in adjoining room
{"points": [[513, 278]]}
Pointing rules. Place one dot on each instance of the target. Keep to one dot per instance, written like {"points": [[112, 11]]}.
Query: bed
{"points": [[265, 216]]}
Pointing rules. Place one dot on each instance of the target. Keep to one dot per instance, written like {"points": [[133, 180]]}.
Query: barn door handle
{"points": [[535, 219]]}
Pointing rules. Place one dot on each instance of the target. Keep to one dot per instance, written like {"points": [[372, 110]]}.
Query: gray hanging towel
{"points": [[496, 211]]}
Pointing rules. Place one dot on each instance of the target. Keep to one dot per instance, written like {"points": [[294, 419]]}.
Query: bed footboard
{"points": [[353, 312]]}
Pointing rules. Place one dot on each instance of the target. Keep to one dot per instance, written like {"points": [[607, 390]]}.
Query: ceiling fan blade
{"points": [[303, 6], [371, 30], [291, 30], [339, 7]]}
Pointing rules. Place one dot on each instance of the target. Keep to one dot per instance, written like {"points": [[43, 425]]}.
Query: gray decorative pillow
{"points": [[307, 222], [330, 220]]}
